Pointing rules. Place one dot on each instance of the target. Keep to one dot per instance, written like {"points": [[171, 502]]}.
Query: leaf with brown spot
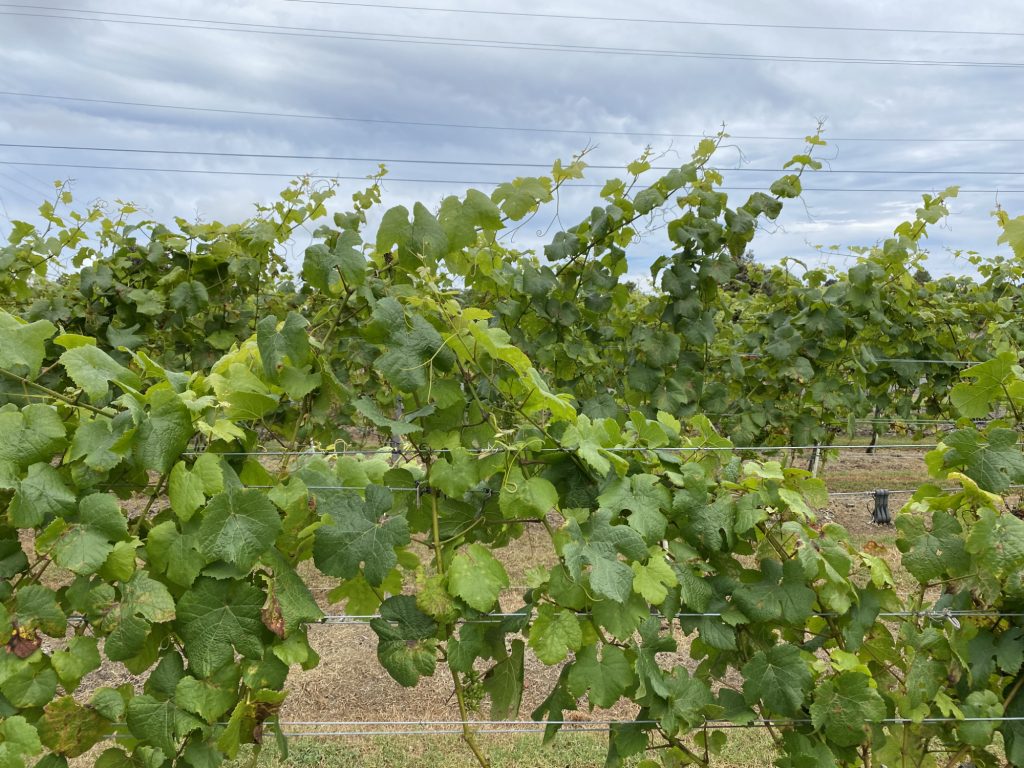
{"points": [[24, 642], [273, 618]]}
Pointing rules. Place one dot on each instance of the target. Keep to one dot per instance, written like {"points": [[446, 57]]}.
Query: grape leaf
{"points": [[653, 579], [598, 543], [844, 708], [779, 677], [358, 532], [159, 723], [554, 633], [92, 370], [504, 683], [406, 645], [993, 460], [217, 618], [476, 577], [521, 497], [605, 680], [237, 527], [204, 698], [18, 740], [164, 432], [70, 729], [40, 494], [23, 345], [643, 497], [79, 659], [33, 434]]}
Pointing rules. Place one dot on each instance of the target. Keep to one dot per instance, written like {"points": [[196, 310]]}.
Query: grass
{"points": [[746, 749]]}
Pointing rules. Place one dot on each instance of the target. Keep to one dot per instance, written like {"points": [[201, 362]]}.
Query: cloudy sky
{"points": [[536, 88]]}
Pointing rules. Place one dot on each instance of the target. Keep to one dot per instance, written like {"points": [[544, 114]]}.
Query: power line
{"points": [[491, 163], [464, 182], [686, 22], [178, 22], [484, 127]]}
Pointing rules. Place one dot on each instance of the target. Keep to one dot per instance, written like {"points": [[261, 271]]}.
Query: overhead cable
{"points": [[485, 127], [179, 22], [685, 22], [490, 163]]}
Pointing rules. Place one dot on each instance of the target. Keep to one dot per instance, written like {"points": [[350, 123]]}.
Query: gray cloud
{"points": [[237, 70]]}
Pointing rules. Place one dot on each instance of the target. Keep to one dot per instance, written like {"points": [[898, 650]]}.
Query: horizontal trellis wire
{"points": [[494, 727]]}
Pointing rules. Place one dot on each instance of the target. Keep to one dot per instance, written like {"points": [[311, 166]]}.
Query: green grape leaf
{"points": [[144, 601], [358, 532], [237, 527], [929, 554], [519, 197], [975, 399], [604, 680], [159, 723], [643, 497], [411, 353], [980, 705], [99, 442], [164, 432], [33, 434], [18, 739], [521, 497], [92, 370], [360, 598], [844, 708], [779, 677], [108, 702], [79, 659], [406, 643], [185, 491], [36, 606], [653, 579], [553, 708], [30, 687], [190, 297], [476, 577], [82, 549], [993, 460], [597, 543], [206, 699], [287, 345], [175, 553], [685, 702], [554, 633], [329, 269], [216, 619], [23, 345], [455, 473], [41, 494], [504, 683]]}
